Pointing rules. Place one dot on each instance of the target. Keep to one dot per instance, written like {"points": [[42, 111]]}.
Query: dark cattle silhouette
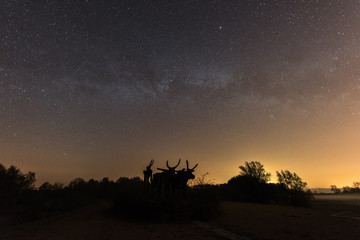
{"points": [[181, 179], [163, 182], [148, 172], [170, 183], [148, 177]]}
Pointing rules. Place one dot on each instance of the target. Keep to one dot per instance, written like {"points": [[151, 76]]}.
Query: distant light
{"points": [[220, 27]]}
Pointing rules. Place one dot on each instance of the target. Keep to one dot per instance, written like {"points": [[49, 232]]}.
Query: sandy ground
{"points": [[254, 221], [350, 198], [283, 222], [91, 223]]}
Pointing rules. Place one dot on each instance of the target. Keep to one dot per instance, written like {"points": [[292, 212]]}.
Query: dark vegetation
{"points": [[252, 185], [346, 189], [21, 201]]}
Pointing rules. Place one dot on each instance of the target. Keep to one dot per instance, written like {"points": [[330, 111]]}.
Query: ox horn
{"points": [[187, 166], [167, 164]]}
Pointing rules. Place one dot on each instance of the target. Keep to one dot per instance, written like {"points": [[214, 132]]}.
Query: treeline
{"points": [[354, 189], [20, 197], [253, 185], [13, 184], [21, 201]]}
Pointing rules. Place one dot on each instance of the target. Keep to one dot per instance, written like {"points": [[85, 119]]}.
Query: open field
{"points": [[354, 197], [93, 223], [338, 202], [254, 221], [283, 222]]}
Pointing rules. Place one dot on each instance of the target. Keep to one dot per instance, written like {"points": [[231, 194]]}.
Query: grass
{"points": [[259, 221], [337, 202], [255, 221]]}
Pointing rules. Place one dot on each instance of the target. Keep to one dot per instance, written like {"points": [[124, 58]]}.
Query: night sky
{"points": [[98, 88]]}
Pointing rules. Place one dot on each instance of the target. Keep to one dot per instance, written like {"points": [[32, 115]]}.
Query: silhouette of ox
{"points": [[181, 179], [148, 177], [169, 183]]}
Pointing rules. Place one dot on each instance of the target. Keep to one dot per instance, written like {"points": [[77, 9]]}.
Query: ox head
{"points": [[186, 174], [170, 169], [189, 171], [148, 168]]}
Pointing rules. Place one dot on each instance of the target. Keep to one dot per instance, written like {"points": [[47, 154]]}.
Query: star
{"points": [[136, 83]]}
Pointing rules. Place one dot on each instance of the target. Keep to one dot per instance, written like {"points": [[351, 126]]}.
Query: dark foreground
{"points": [[253, 221], [283, 222]]}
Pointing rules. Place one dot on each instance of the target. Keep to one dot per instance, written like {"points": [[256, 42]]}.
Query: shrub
{"points": [[13, 183]]}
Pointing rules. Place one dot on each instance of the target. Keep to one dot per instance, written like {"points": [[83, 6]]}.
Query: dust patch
{"points": [[347, 214], [221, 232]]}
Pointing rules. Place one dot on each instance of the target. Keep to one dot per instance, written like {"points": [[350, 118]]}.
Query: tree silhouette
{"points": [[335, 189], [346, 189], [356, 186], [202, 180], [46, 186], [255, 170], [13, 183], [290, 180], [15, 179], [77, 183]]}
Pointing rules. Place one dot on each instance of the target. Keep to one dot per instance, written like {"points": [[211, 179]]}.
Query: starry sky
{"points": [[98, 88]]}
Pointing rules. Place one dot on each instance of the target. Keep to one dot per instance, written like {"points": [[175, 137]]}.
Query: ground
{"points": [[93, 223], [253, 221], [258, 221]]}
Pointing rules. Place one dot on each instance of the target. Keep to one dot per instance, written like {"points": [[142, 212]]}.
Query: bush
{"points": [[14, 183], [201, 203], [204, 202], [247, 189]]}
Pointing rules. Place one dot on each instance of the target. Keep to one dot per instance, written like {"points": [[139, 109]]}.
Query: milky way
{"points": [[98, 88]]}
